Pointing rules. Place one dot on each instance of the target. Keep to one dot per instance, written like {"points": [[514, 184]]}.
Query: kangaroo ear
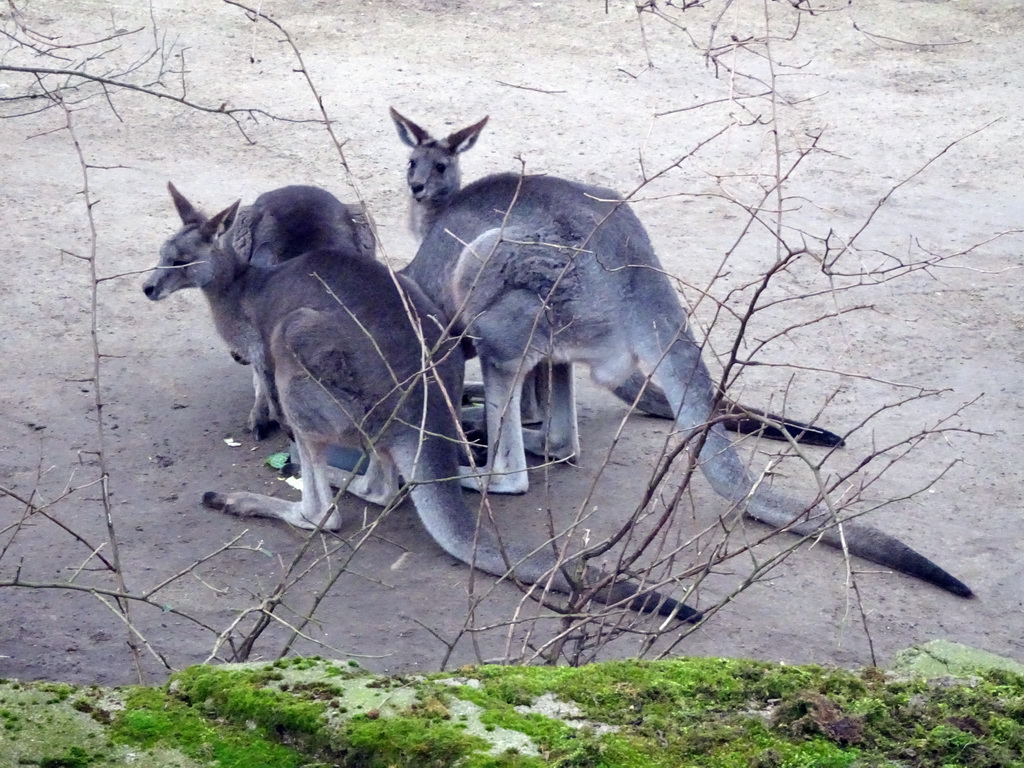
{"points": [[410, 133], [462, 140], [220, 223], [187, 212]]}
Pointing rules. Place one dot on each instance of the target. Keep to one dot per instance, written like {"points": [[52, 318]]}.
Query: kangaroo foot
{"points": [[243, 504], [263, 428], [541, 443], [481, 479]]}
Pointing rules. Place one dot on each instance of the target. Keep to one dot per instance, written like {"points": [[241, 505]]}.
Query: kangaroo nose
{"points": [[149, 290], [416, 188]]}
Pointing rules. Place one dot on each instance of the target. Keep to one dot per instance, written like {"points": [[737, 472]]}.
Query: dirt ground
{"points": [[573, 88]]}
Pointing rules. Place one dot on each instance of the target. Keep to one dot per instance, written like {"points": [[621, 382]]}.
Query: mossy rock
{"points": [[943, 658], [687, 712]]}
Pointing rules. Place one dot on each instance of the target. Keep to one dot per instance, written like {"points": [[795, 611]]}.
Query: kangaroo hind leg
{"points": [[319, 415], [316, 508], [505, 471], [379, 484], [554, 393], [673, 360], [646, 397]]}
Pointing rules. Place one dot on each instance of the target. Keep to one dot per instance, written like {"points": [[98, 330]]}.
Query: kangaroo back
{"points": [[216, 256], [285, 223], [542, 208]]}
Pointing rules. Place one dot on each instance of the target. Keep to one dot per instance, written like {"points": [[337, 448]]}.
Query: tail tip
{"points": [[960, 589], [214, 500], [681, 611]]}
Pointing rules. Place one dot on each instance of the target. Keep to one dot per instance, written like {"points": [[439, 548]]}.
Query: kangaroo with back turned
{"points": [[357, 356], [537, 268], [278, 226]]}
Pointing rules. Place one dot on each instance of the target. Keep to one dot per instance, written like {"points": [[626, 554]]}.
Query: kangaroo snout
{"points": [[157, 286]]}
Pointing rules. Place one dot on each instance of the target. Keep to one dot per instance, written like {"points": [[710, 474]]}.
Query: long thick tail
{"points": [[453, 525], [878, 547], [744, 419], [688, 386], [723, 469]]}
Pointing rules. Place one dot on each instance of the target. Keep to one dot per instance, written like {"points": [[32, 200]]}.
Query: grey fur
{"points": [[434, 178], [357, 356], [278, 226], [538, 268]]}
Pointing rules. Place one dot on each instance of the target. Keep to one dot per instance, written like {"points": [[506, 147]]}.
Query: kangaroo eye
{"points": [[412, 165], [440, 167], [182, 260]]}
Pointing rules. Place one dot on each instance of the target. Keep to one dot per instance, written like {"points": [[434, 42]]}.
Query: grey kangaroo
{"points": [[538, 268], [279, 225], [434, 177], [357, 355]]}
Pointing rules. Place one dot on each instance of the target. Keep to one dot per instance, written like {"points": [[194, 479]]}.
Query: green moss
{"points": [[943, 658], [715, 712], [420, 733], [615, 689], [152, 719], [406, 741], [74, 757], [700, 712], [241, 696], [299, 662], [499, 713], [42, 728], [976, 725], [695, 712]]}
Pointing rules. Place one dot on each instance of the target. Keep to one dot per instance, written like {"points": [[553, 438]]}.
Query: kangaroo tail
{"points": [[688, 386], [727, 475], [747, 420], [646, 601], [878, 547], [453, 525], [650, 399]]}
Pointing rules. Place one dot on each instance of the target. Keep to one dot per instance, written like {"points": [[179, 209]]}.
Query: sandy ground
{"points": [[574, 89]]}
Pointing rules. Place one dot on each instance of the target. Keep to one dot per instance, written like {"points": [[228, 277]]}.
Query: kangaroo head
{"points": [[433, 173], [187, 258]]}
